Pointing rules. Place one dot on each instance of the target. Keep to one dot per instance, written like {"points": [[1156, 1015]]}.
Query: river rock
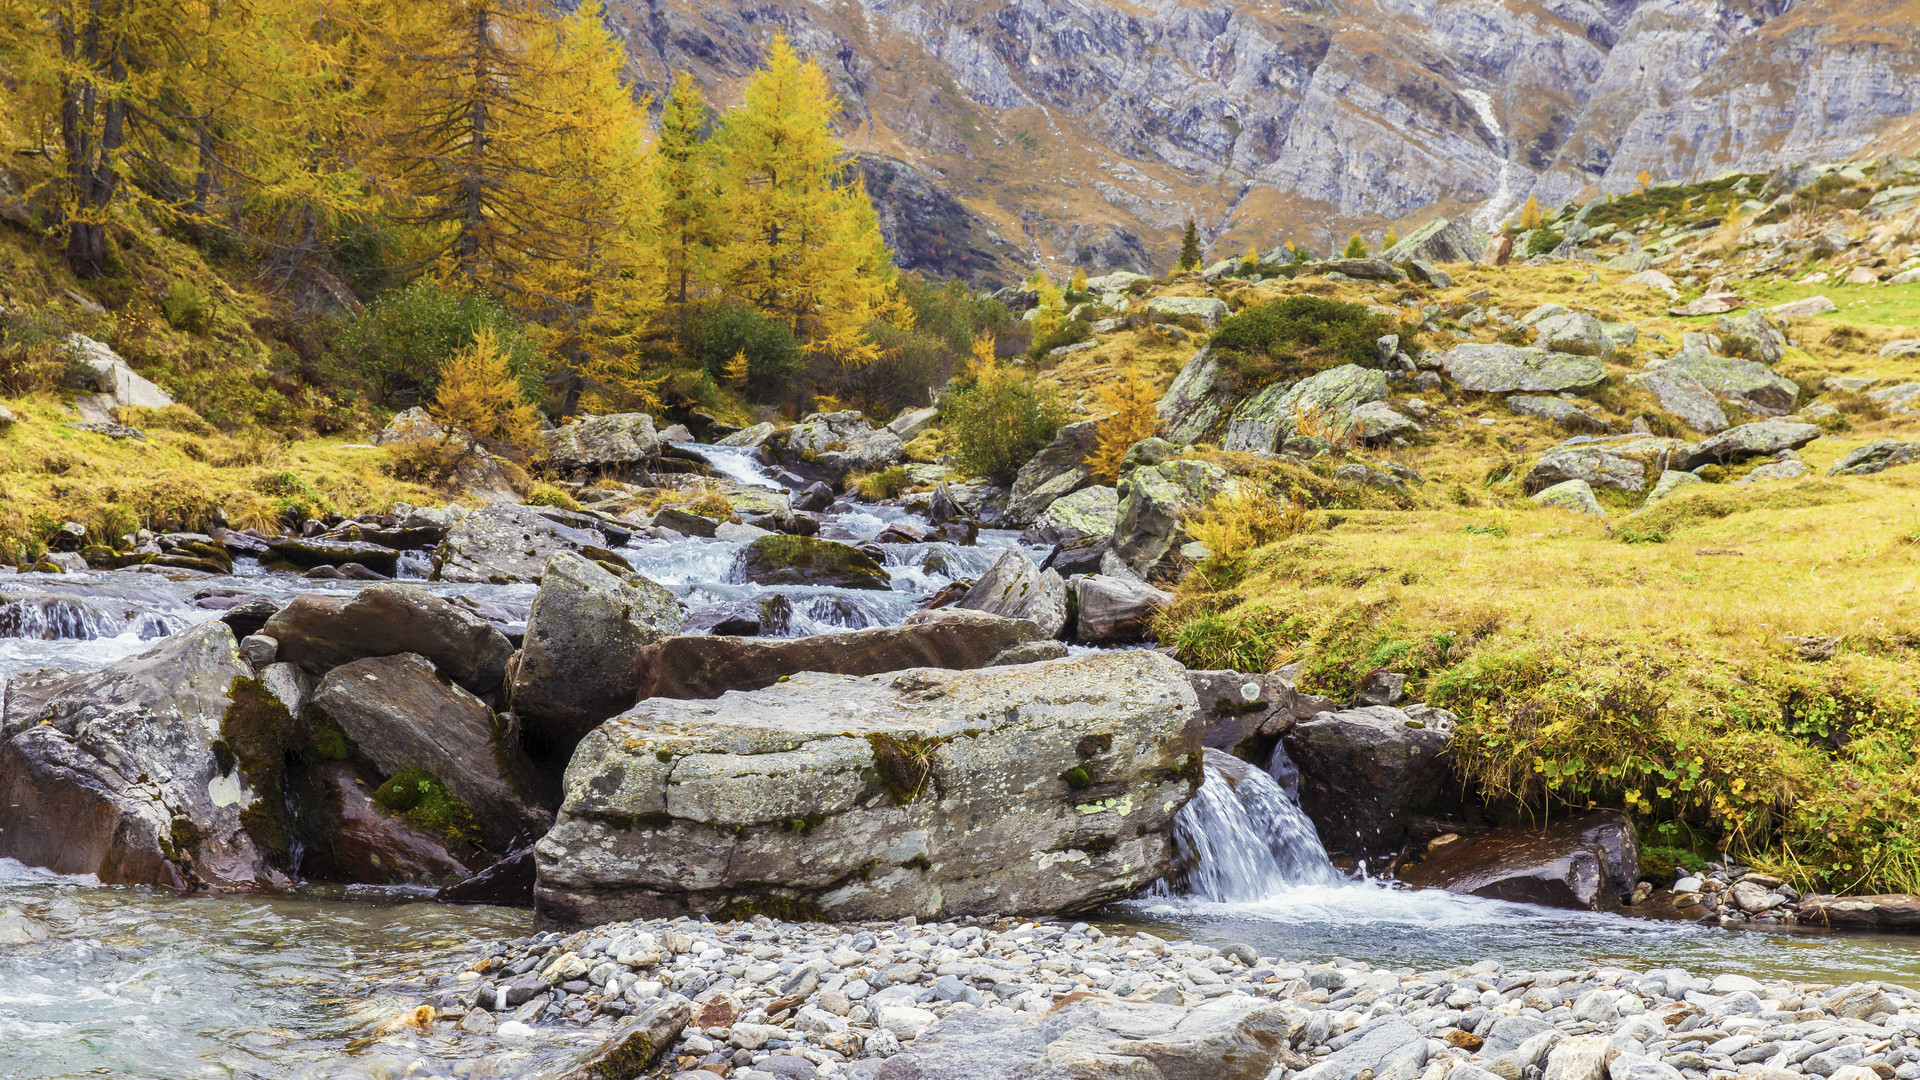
{"points": [[1098, 1037], [1876, 457], [320, 633], [503, 544], [1197, 403], [619, 445], [1748, 441], [869, 452], [819, 433], [361, 843], [1245, 714], [1059, 469], [399, 714], [1748, 383], [636, 1043], [506, 883], [1014, 587], [1154, 502], [1115, 610], [1324, 402], [150, 770], [1440, 241], [1089, 512], [308, 554], [1686, 397], [1504, 369], [1621, 463], [705, 666], [1036, 788], [1895, 912], [808, 560], [1367, 774], [575, 666], [1589, 861]]}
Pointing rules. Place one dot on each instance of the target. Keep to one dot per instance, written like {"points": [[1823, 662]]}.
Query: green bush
{"points": [[725, 331], [187, 307], [1301, 335], [396, 347], [1071, 332], [999, 421], [1543, 240]]}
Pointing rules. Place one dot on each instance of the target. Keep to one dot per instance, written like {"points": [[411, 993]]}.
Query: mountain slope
{"points": [[1087, 131]]}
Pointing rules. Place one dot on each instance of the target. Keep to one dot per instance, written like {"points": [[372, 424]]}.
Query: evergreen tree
{"points": [[1190, 248], [1356, 248]]}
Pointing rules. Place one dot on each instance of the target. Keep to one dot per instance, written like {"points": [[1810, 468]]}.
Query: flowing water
{"points": [[132, 982]]}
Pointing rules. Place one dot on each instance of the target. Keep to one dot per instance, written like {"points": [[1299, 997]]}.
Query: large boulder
{"points": [[1876, 457], [1441, 241], [1885, 912], [1762, 439], [807, 560], [1035, 788], [1367, 774], [1198, 401], [1573, 332], [1089, 512], [575, 667], [1324, 402], [618, 445], [319, 633], [1750, 335], [1574, 495], [1505, 369], [870, 452], [1096, 1037], [399, 715], [1245, 714], [1060, 468], [152, 771], [1206, 309], [1017, 589], [706, 666], [118, 384], [359, 842], [506, 543], [821, 433], [1748, 383], [1115, 610], [1589, 861], [1686, 397], [1624, 463], [1154, 502]]}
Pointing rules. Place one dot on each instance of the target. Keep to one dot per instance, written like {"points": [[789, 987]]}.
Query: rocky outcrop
{"points": [[1624, 463], [320, 633], [1876, 457], [1325, 401], [575, 666], [619, 445], [506, 543], [156, 770], [1017, 589], [705, 666], [398, 714], [807, 560], [1089, 512], [1504, 369], [1762, 439], [1060, 468], [1589, 862], [1115, 610], [1367, 774], [1441, 241], [1154, 501], [1036, 788], [1196, 405]]}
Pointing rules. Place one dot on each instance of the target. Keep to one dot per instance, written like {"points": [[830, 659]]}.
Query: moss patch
{"points": [[424, 802], [905, 765], [257, 734], [780, 907]]}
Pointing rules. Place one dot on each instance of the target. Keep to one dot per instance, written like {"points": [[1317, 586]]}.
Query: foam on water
{"points": [[733, 462]]}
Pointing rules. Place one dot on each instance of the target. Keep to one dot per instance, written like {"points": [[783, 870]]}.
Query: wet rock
{"points": [[1876, 457], [807, 560], [400, 715], [1246, 714], [1017, 589], [1113, 610], [503, 544], [1887, 912], [924, 792], [148, 771], [361, 843], [1588, 862], [1080, 555], [696, 667], [1329, 398], [308, 554], [685, 522], [1154, 501], [248, 616], [1748, 441], [1623, 463], [1196, 405], [1367, 774], [575, 667], [814, 498], [636, 1043], [1505, 369], [507, 883], [320, 633], [619, 445], [1059, 469], [259, 649]]}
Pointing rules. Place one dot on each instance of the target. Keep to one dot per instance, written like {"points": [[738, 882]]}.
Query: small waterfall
{"points": [[54, 617], [1240, 839], [736, 463]]}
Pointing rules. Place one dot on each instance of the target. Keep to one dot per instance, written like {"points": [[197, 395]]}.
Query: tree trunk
{"points": [[91, 179]]}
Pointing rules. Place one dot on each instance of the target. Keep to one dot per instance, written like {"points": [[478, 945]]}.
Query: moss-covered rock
{"points": [[807, 560]]}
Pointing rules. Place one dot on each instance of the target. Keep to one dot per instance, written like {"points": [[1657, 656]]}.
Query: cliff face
{"points": [[1087, 131]]}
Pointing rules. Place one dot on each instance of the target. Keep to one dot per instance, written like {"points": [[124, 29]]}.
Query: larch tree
{"points": [[683, 178]]}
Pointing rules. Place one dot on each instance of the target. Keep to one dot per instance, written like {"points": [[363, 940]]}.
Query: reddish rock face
{"points": [[370, 846], [1588, 862]]}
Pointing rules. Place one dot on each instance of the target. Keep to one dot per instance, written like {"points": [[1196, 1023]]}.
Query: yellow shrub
{"points": [[1131, 405], [479, 395]]}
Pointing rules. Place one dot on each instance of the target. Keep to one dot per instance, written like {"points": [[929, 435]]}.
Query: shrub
{"points": [[548, 495], [1070, 332], [1300, 335], [1132, 411], [999, 419], [1243, 518], [479, 395], [33, 351], [875, 487], [397, 346], [773, 356], [187, 307], [1543, 240]]}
